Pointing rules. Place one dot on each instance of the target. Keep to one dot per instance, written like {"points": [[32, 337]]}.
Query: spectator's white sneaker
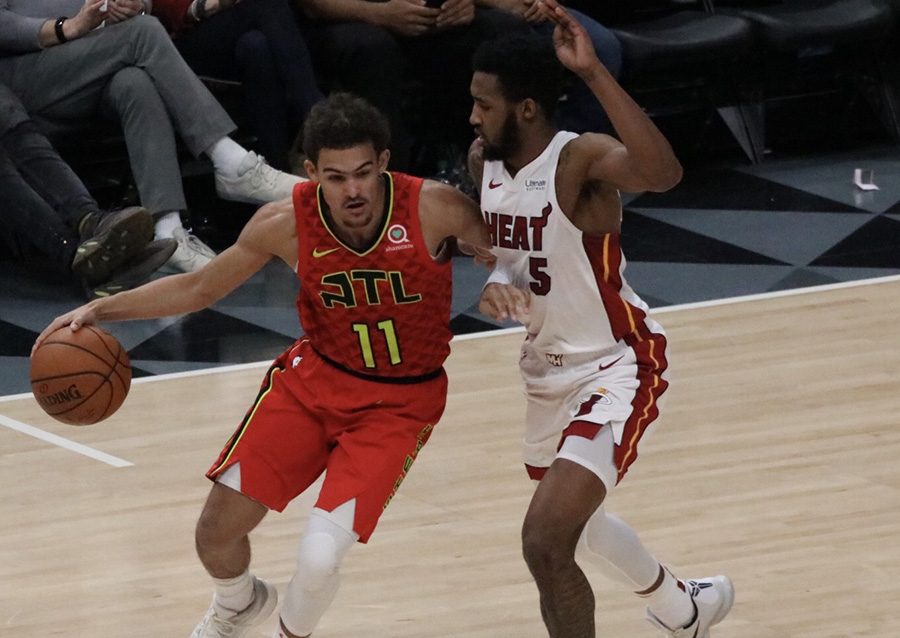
{"points": [[256, 182], [712, 598], [191, 253], [265, 597]]}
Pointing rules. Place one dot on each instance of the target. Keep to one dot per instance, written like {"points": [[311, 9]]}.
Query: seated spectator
{"points": [[580, 112], [66, 70], [46, 206], [257, 43], [371, 48]]}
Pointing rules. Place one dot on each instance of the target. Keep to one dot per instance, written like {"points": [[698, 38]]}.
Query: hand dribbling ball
{"points": [[80, 377]]}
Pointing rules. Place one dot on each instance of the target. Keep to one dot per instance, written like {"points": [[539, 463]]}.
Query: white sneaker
{"points": [[712, 598], [265, 597], [191, 253], [256, 182]]}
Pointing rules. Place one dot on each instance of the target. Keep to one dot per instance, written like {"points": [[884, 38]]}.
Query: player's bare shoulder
{"points": [[273, 229]]}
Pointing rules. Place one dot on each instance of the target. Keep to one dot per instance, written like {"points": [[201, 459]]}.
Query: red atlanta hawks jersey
{"points": [[383, 311]]}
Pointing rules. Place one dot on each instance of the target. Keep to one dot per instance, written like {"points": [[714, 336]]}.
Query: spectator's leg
{"points": [[39, 163], [131, 97], [68, 81], [349, 55], [264, 98], [27, 218], [276, 20]]}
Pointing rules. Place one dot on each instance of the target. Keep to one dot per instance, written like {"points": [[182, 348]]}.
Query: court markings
{"points": [[63, 442], [117, 462]]}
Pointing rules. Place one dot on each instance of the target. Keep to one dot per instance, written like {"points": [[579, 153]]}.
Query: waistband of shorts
{"points": [[419, 378]]}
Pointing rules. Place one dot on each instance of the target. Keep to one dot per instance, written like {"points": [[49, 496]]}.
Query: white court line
{"points": [[116, 462], [78, 448], [505, 331]]}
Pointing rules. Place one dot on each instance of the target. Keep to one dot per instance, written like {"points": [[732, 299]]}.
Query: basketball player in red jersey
{"points": [[358, 396], [593, 361]]}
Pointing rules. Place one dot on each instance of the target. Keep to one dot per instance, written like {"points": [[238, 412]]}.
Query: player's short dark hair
{"points": [[526, 66], [341, 121]]}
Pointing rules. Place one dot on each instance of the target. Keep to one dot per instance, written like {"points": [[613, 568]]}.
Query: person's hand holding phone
{"points": [[406, 17], [456, 13]]}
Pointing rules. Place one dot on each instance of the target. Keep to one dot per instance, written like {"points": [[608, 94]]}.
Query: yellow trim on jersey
{"points": [[248, 419], [389, 197]]}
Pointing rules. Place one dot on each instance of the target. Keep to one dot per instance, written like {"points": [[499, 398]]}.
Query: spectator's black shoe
{"points": [[136, 271], [108, 240]]}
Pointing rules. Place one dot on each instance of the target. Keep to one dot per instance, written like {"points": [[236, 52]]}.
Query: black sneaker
{"points": [[108, 240], [137, 270]]}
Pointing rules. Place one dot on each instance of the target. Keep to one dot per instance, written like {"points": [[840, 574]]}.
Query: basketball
{"points": [[81, 377]]}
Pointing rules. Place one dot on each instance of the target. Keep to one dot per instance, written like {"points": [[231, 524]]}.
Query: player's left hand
{"points": [[572, 43], [505, 301]]}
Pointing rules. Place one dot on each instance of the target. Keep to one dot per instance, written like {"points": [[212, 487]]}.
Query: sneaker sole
{"points": [[727, 591], [97, 258], [153, 256], [271, 603]]}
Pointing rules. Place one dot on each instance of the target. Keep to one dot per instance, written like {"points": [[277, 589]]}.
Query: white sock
{"points": [[226, 156], [233, 595], [166, 225], [670, 603]]}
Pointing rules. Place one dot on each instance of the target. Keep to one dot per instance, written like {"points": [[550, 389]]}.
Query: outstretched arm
{"points": [[192, 291], [445, 212], [643, 160]]}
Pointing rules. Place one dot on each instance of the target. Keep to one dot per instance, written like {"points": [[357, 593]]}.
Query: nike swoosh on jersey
{"points": [[609, 365], [492, 185], [321, 253]]}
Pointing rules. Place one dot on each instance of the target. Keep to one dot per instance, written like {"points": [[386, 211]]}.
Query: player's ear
{"points": [[310, 169], [528, 109], [383, 158]]}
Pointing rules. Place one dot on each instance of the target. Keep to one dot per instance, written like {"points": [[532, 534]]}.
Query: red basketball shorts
{"points": [[310, 417]]}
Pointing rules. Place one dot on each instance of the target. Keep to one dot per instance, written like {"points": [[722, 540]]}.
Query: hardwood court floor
{"points": [[775, 462]]}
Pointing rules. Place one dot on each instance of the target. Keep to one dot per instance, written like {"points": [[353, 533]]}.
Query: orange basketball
{"points": [[81, 377]]}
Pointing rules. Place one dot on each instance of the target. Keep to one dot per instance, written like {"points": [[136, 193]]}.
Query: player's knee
{"points": [[545, 547], [211, 532], [318, 560]]}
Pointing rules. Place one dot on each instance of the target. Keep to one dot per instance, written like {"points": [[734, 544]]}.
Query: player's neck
{"points": [[533, 143]]}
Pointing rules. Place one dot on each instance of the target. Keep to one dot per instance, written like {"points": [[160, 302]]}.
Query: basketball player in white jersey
{"points": [[593, 362]]}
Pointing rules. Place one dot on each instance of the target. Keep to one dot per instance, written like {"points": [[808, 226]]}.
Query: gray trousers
{"points": [[130, 71]]}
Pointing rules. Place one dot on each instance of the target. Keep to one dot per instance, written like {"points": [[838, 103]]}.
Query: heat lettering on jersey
{"points": [[341, 291], [516, 231]]}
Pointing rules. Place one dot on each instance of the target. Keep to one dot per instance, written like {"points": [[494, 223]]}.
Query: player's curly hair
{"points": [[341, 121], [526, 66]]}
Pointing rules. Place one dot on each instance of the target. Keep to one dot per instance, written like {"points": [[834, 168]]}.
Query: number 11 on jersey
{"points": [[365, 342]]}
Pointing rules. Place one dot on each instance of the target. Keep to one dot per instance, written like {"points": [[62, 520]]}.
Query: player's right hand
{"points": [[82, 316], [505, 301]]}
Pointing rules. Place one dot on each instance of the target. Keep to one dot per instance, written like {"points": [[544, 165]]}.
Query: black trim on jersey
{"points": [[419, 378]]}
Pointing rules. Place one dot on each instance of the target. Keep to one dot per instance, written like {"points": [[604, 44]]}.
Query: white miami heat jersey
{"points": [[580, 302]]}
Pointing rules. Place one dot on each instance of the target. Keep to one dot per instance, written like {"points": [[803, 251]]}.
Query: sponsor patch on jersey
{"points": [[535, 184], [399, 238], [397, 234], [555, 360]]}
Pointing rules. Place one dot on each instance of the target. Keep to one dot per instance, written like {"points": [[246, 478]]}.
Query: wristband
{"points": [[58, 27]]}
